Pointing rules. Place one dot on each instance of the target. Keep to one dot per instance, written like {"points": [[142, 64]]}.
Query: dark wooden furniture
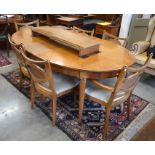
{"points": [[89, 16], [108, 17], [113, 91], [47, 83], [4, 30], [12, 19], [114, 30], [83, 16], [51, 18], [85, 45], [69, 21]]}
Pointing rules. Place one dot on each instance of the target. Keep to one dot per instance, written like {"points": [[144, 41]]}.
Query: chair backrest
{"points": [[151, 32], [15, 48], [127, 81], [76, 29], [33, 23], [115, 39], [40, 73]]}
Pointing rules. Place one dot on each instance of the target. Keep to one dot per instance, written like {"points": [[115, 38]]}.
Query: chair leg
{"points": [[128, 106], [32, 95], [81, 98], [106, 126], [54, 105], [80, 110], [122, 107]]}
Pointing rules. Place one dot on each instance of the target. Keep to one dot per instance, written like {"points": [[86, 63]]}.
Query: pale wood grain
{"points": [[112, 57]]}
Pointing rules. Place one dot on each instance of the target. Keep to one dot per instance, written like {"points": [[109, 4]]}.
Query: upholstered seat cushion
{"points": [[141, 58], [63, 82], [98, 92]]}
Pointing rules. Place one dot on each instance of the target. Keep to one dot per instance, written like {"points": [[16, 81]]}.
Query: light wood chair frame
{"points": [[20, 60], [88, 32], [114, 38], [40, 75], [18, 25], [124, 83]]}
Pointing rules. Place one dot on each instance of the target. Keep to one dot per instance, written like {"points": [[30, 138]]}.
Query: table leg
{"points": [[81, 97]]}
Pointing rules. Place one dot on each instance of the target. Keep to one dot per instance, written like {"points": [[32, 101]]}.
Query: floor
{"points": [[19, 122], [147, 133]]}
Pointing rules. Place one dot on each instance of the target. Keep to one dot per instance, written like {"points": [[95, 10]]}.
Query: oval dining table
{"points": [[106, 63]]}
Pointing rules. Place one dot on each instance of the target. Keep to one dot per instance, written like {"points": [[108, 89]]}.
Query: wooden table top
{"points": [[111, 58]]}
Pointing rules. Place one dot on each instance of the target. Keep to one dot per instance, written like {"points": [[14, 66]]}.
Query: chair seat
{"points": [[63, 82], [98, 92], [141, 58]]}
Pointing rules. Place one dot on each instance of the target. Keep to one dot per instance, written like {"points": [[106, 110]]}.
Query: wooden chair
{"points": [[20, 60], [113, 91], [115, 39], [47, 83], [76, 29], [4, 30], [29, 24]]}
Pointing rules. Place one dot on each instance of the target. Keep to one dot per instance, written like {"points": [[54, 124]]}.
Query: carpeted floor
{"points": [[93, 116], [4, 61], [147, 133]]}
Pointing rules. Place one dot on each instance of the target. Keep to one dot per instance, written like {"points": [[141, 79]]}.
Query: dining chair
{"points": [[4, 30], [115, 39], [20, 60], [29, 24], [48, 83], [112, 92], [88, 32]]}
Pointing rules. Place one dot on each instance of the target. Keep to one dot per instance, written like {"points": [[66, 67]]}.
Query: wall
{"points": [[125, 25]]}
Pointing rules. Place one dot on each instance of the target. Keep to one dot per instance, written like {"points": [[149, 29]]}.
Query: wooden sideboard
{"points": [[12, 19], [114, 30], [69, 21]]}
